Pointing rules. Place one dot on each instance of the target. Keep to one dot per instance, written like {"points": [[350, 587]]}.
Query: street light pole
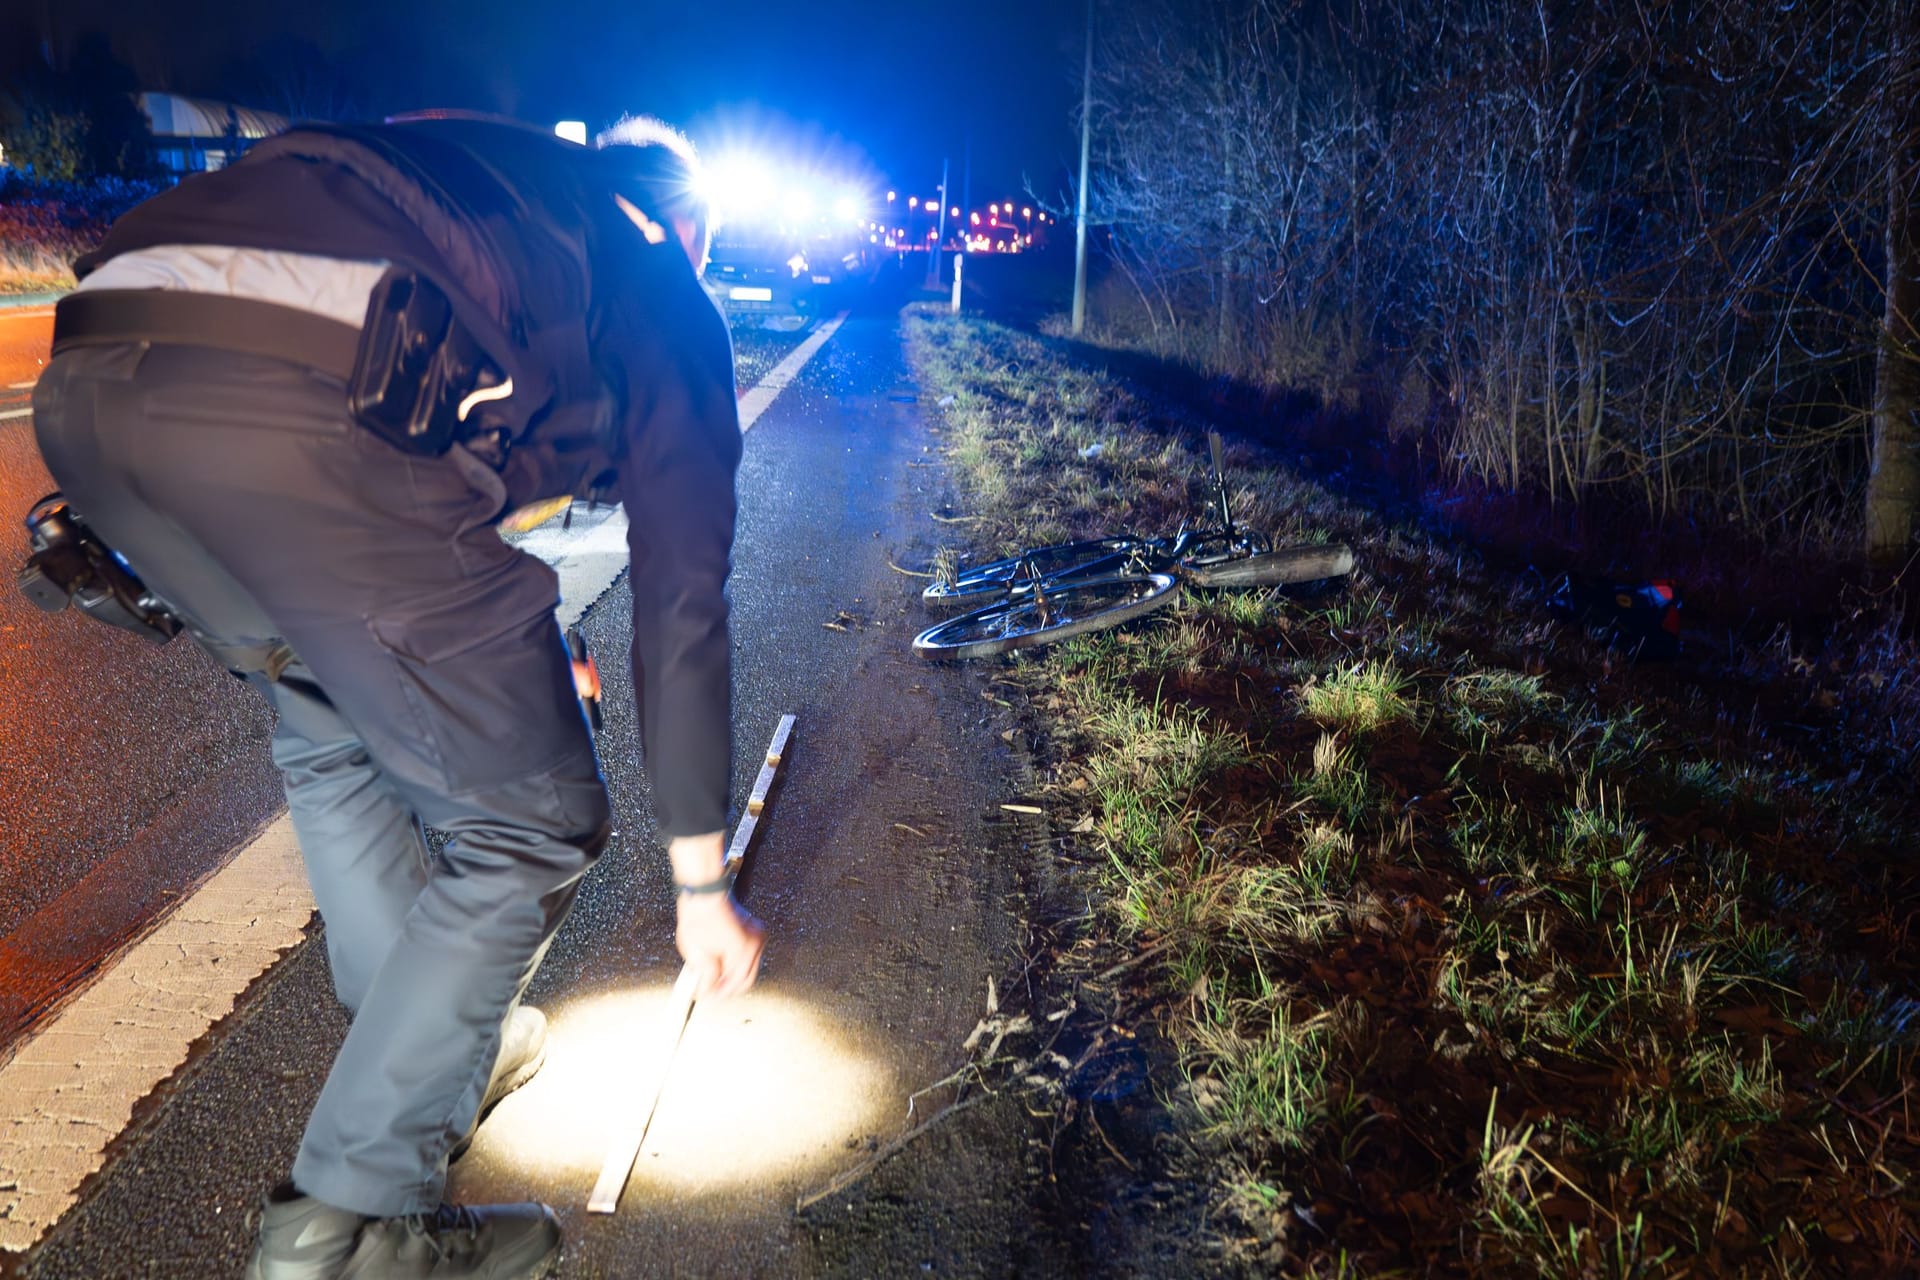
{"points": [[966, 184], [1080, 221], [940, 237]]}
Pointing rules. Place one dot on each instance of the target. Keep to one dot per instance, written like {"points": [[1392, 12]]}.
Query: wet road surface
{"points": [[128, 771], [876, 872]]}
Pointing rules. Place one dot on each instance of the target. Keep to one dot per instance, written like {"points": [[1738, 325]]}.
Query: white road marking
{"points": [[592, 555], [71, 1086], [589, 558], [755, 402], [11, 414]]}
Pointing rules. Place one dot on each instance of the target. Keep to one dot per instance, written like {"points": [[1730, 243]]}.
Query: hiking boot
{"points": [[523, 1048], [454, 1242], [303, 1239]]}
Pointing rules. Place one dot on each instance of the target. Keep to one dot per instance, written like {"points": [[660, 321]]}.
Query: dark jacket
{"points": [[653, 421]]}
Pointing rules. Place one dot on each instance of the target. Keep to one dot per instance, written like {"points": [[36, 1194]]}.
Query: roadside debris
{"points": [[992, 1029], [1643, 618]]}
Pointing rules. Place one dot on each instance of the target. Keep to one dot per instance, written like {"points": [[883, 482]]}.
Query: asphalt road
{"points": [[882, 871], [128, 771]]}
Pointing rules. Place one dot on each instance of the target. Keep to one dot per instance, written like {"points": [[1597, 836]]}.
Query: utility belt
{"points": [[413, 372], [413, 375]]}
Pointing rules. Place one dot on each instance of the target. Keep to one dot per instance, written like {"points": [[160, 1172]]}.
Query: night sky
{"points": [[899, 84]]}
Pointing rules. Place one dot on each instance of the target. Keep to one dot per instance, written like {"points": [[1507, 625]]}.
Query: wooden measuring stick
{"points": [[618, 1166]]}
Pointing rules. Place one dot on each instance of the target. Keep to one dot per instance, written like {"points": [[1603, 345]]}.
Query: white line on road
{"points": [[592, 555], [71, 1087], [16, 413], [589, 558], [755, 402]]}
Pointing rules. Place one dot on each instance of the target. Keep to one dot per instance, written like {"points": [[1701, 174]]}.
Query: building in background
{"points": [[194, 135]]}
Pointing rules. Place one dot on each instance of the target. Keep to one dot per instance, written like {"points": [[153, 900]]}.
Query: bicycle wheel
{"points": [[1274, 568], [981, 584], [1055, 612]]}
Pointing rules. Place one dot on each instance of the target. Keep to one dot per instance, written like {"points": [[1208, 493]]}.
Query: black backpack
{"points": [[513, 215]]}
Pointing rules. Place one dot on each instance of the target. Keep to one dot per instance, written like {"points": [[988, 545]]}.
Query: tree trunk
{"points": [[1893, 488], [1223, 317], [1223, 344]]}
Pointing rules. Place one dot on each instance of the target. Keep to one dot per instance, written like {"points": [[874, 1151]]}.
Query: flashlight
{"points": [[586, 675]]}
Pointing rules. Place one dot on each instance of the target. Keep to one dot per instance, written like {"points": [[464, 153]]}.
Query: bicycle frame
{"points": [[1021, 574]]}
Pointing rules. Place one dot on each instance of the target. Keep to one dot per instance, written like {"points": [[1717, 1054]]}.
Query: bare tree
{"points": [[293, 76], [1893, 491], [1624, 248]]}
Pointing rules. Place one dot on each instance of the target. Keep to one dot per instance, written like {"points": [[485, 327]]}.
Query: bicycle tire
{"points": [[982, 584], [1064, 611], [1276, 568]]}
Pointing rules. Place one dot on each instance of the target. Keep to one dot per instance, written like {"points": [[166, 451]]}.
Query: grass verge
{"points": [[1481, 951], [34, 268]]}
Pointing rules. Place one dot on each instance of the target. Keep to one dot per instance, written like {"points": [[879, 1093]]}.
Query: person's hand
{"points": [[717, 938], [721, 941]]}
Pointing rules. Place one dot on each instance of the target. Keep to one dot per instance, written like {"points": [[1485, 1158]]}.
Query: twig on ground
{"points": [[1093, 1116], [1855, 1073], [1125, 965], [860, 1171], [968, 1073], [999, 1028], [955, 519], [911, 573]]}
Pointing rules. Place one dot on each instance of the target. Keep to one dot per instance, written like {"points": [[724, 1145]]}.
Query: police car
{"points": [[762, 273]]}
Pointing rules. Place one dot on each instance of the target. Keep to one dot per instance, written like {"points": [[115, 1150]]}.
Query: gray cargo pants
{"points": [[432, 686]]}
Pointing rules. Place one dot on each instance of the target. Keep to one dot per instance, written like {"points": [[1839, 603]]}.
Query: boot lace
{"points": [[452, 1231]]}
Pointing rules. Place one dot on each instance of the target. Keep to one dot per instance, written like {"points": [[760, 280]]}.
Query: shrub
{"points": [[45, 225]]}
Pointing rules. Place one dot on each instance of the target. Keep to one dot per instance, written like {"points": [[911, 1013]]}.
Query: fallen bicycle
{"points": [[1046, 594]]}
